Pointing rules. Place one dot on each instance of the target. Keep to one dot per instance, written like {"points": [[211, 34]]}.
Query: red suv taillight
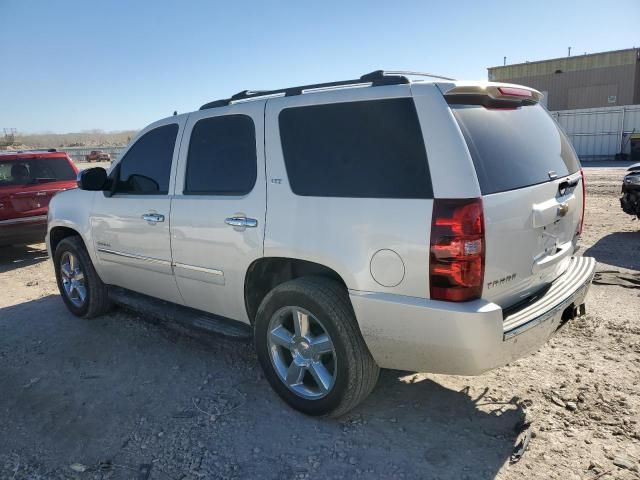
{"points": [[456, 263], [584, 201]]}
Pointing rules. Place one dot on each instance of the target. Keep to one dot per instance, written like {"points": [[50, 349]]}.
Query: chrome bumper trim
{"points": [[572, 285]]}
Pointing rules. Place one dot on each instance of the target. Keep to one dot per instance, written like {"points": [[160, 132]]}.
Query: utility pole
{"points": [[569, 52], [9, 137]]}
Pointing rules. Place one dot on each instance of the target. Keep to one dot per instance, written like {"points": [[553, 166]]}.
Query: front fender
{"points": [[72, 209]]}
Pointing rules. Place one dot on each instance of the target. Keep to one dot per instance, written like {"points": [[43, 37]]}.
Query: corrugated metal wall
{"points": [[599, 132], [599, 87], [584, 81], [577, 63]]}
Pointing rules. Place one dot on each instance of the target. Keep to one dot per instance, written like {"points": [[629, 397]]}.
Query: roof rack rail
{"points": [[376, 78], [405, 73]]}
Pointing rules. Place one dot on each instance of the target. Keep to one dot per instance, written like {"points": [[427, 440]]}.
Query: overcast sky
{"points": [[70, 65]]}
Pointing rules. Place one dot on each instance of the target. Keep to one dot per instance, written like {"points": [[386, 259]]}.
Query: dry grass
{"points": [[88, 138]]}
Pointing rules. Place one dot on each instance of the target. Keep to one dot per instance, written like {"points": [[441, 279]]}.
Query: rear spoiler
{"points": [[492, 96]]}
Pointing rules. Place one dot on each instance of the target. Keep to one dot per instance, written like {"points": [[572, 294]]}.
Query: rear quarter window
{"points": [[514, 148], [368, 149]]}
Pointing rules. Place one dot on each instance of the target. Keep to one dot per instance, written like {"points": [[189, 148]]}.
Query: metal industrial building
{"points": [[583, 81]]}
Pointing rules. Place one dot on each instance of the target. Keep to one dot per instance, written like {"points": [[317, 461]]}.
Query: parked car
{"points": [[630, 199], [97, 156], [380, 222], [28, 181]]}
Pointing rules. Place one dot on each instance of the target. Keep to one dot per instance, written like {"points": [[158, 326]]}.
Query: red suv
{"points": [[28, 181]]}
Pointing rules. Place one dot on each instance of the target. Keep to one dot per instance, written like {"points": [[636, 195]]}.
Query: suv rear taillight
{"points": [[456, 263], [584, 201]]}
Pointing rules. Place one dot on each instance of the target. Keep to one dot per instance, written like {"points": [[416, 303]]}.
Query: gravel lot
{"points": [[98, 399]]}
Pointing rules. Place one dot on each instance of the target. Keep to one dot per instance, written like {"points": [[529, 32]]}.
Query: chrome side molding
{"points": [[134, 256], [211, 271], [184, 266]]}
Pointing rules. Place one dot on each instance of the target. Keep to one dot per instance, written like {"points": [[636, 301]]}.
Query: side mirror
{"points": [[93, 179]]}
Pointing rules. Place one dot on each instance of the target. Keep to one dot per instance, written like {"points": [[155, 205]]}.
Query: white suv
{"points": [[386, 222]]}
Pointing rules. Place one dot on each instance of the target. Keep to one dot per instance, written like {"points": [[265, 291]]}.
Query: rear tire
{"points": [[81, 289], [310, 347]]}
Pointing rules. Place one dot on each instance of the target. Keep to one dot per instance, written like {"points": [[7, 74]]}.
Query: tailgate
{"points": [[532, 195], [27, 202]]}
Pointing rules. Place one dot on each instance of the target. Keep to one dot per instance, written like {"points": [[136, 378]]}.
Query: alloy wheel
{"points": [[73, 280], [302, 352]]}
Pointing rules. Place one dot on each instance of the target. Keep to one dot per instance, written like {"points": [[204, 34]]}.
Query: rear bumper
{"points": [[23, 230], [469, 338]]}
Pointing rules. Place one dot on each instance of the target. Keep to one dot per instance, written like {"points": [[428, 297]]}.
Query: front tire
{"points": [[310, 347], [81, 289]]}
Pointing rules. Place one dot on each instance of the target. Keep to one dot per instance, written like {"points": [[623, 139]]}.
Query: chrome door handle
{"points": [[153, 217], [241, 222]]}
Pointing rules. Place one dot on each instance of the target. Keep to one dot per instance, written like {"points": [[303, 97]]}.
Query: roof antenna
{"points": [[175, 112]]}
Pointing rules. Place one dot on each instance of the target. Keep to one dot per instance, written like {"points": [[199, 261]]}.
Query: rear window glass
{"points": [[222, 156], [35, 170], [514, 148], [369, 149]]}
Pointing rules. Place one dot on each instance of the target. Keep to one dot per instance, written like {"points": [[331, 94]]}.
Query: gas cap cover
{"points": [[387, 268]]}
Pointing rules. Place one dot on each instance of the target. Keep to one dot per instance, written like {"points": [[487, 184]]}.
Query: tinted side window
{"points": [[146, 167], [222, 156], [369, 149], [514, 148]]}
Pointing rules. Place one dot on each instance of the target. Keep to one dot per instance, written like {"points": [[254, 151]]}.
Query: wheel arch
{"points": [[59, 233], [68, 214], [266, 273]]}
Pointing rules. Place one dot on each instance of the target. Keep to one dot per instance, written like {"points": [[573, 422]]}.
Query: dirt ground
{"points": [[100, 398]]}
